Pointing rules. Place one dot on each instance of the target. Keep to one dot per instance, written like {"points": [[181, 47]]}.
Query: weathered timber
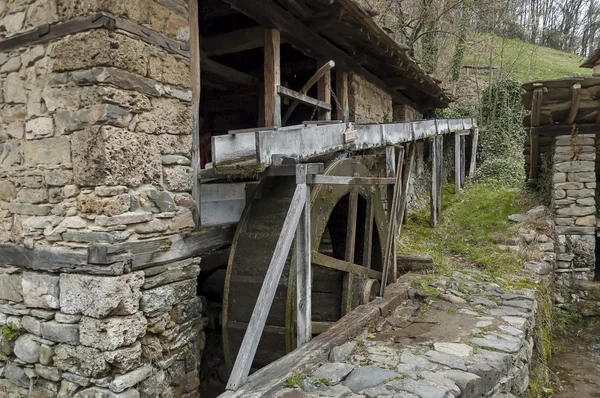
{"points": [[351, 225], [457, 163], [324, 93], [234, 42], [339, 180], [343, 104], [303, 99], [222, 203], [143, 254], [326, 68], [226, 73], [558, 130], [369, 218], [245, 356], [576, 98], [410, 161], [304, 327], [272, 77], [345, 266], [474, 144], [533, 133], [196, 90], [414, 262]]}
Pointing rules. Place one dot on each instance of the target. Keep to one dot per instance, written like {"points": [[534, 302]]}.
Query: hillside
{"points": [[522, 61]]}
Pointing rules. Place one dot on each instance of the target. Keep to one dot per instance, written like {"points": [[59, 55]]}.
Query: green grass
{"points": [[472, 225], [522, 61]]}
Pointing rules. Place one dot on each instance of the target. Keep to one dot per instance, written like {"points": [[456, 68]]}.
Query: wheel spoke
{"points": [[341, 265]]}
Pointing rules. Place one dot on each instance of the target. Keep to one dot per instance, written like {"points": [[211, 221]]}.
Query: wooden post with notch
{"points": [[534, 138], [343, 113], [474, 144], [272, 75], [324, 87], [196, 89], [457, 162], [303, 266]]}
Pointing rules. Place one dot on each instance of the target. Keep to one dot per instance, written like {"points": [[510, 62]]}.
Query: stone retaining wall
{"points": [[368, 103]]}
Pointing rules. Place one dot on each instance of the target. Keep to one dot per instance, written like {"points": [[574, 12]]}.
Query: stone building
{"points": [[104, 137]]}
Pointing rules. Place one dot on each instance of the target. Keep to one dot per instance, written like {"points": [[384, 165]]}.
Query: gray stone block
{"points": [[339, 353], [333, 371], [60, 332], [367, 377], [27, 349], [112, 333], [41, 290], [470, 384], [452, 361]]}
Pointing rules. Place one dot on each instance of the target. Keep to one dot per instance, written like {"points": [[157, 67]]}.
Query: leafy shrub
{"points": [[454, 111], [506, 171]]}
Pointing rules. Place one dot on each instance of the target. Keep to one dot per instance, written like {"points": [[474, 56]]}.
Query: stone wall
{"points": [[95, 148], [574, 204], [368, 103]]}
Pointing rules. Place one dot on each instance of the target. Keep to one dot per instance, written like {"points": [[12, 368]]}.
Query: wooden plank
{"points": [[341, 87], [351, 225], [339, 180], [463, 159], [474, 145], [245, 356], [369, 219], [533, 134], [303, 266], [440, 172], [227, 73], [457, 163], [303, 99], [143, 254], [234, 42], [321, 327], [434, 181], [406, 178], [327, 67], [272, 77], [196, 90], [390, 172], [576, 97], [238, 150], [223, 203], [324, 90], [341, 265]]}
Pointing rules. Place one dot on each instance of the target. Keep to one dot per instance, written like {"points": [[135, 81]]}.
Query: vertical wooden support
{"points": [[457, 163], [343, 113], [348, 288], [534, 139], [474, 144], [243, 361], [406, 175], [575, 100], [324, 87], [434, 181], [463, 160], [196, 88], [390, 171], [369, 219], [440, 172], [272, 76], [303, 266]]}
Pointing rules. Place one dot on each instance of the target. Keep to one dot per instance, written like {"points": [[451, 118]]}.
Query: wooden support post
{"points": [[457, 163], [196, 88], [303, 266], [245, 356], [348, 288], [474, 144], [576, 98], [343, 113], [463, 160], [369, 218], [272, 76], [407, 172], [434, 182], [390, 172], [324, 86], [534, 139], [440, 171]]}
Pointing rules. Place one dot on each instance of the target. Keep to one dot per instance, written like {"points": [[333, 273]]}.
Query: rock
{"points": [[497, 342], [125, 359], [7, 191], [538, 267], [10, 153], [100, 296], [13, 65], [67, 389], [32, 195], [112, 333], [367, 377], [48, 372], [377, 392], [517, 218], [60, 332], [338, 391], [452, 361], [341, 352], [97, 392], [82, 361], [124, 219], [461, 350], [170, 160], [31, 325], [122, 382], [333, 371], [107, 191], [162, 298], [313, 385], [420, 389], [27, 349], [524, 304], [452, 299], [178, 178], [384, 356], [512, 331], [407, 370], [151, 227], [66, 318], [41, 290], [10, 282], [41, 127], [56, 150], [419, 362], [46, 353], [163, 200], [14, 90], [76, 379], [16, 375], [96, 237], [441, 381], [44, 315], [471, 385], [484, 301]]}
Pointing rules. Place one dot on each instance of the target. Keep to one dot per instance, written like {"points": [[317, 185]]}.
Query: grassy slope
{"points": [[522, 61]]}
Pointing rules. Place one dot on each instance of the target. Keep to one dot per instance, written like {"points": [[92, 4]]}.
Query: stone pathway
{"points": [[460, 336]]}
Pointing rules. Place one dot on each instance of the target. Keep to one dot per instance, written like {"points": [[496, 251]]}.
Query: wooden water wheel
{"points": [[346, 262]]}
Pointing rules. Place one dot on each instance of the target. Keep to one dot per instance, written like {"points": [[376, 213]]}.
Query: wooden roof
{"points": [[343, 31]]}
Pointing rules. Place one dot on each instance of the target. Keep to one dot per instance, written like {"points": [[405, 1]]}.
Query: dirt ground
{"points": [[576, 364]]}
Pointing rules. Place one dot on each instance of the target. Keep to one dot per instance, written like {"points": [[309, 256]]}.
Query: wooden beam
{"points": [[226, 73], [311, 82], [340, 265], [245, 356], [474, 145], [234, 42], [369, 221], [324, 90], [457, 163], [303, 99], [340, 180], [351, 225], [196, 89], [536, 107], [272, 77], [558, 130], [406, 178], [303, 265], [576, 97], [343, 111]]}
